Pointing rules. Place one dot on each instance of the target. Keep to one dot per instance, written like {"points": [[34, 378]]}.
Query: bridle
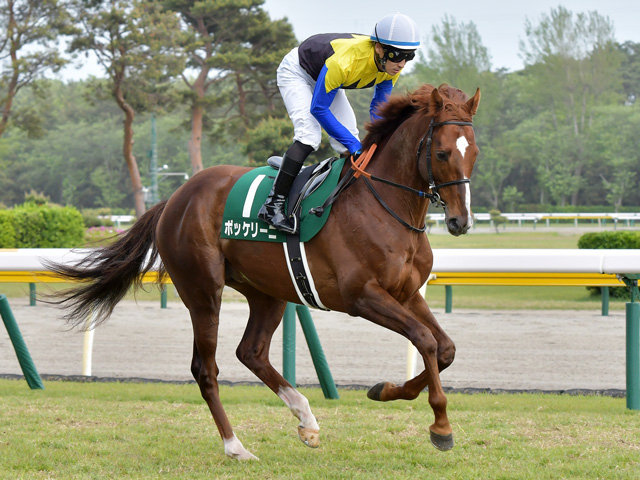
{"points": [[434, 196], [357, 170]]}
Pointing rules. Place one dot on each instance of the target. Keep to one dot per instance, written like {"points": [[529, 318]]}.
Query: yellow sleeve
{"points": [[335, 76]]}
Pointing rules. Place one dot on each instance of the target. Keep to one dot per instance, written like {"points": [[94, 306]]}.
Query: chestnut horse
{"points": [[364, 261]]}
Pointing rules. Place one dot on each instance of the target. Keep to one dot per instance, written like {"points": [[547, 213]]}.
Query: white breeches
{"points": [[296, 87]]}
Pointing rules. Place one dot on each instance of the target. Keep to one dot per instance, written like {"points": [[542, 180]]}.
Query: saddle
{"points": [[308, 181], [309, 201], [313, 185]]}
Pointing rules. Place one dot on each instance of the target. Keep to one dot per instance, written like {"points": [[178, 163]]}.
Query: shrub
{"points": [[7, 229], [96, 217], [613, 240], [497, 219], [621, 239], [45, 226]]}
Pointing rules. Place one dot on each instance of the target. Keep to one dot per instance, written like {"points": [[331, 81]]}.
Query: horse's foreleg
{"points": [[253, 351], [379, 307], [446, 348], [205, 371]]}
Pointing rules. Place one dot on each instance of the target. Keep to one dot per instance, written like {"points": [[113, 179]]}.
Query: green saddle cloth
{"points": [[240, 218]]}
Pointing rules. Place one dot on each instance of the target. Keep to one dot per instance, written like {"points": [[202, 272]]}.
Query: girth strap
{"points": [[298, 266]]}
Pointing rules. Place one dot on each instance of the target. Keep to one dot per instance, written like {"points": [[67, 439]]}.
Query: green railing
{"points": [[315, 348], [24, 358]]}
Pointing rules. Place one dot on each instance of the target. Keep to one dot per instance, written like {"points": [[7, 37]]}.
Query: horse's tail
{"points": [[108, 272]]}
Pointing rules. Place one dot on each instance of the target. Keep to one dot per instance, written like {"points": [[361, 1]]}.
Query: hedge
{"points": [[7, 230], [613, 240], [41, 226], [621, 239]]}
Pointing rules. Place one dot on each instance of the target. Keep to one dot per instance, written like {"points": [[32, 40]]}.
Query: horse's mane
{"points": [[400, 107]]}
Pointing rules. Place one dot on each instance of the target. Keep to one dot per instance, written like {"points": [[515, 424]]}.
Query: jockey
{"points": [[312, 78]]}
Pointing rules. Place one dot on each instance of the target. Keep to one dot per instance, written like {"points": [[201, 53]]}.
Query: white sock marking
{"points": [[299, 406], [234, 449]]}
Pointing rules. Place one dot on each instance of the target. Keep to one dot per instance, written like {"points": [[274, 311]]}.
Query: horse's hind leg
{"points": [[205, 371], [253, 351], [200, 286]]}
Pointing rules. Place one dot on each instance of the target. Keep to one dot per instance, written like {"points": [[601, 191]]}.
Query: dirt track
{"points": [[550, 350]]}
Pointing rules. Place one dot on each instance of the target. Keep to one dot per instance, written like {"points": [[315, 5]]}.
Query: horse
{"points": [[369, 260]]}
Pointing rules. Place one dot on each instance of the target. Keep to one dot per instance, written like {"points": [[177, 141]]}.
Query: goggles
{"points": [[397, 56]]}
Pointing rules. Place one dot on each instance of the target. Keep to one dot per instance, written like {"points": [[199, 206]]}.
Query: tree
{"points": [[29, 31], [613, 140], [512, 197], [622, 181], [272, 136], [454, 55], [492, 173], [236, 47], [576, 55], [541, 152], [132, 41], [630, 71]]}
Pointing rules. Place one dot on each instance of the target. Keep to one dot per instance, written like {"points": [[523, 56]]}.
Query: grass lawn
{"points": [[143, 431], [485, 239]]}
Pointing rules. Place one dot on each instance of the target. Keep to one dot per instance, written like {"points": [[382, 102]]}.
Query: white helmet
{"points": [[397, 30]]}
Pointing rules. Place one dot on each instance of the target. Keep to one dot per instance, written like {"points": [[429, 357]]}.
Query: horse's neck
{"points": [[397, 163]]}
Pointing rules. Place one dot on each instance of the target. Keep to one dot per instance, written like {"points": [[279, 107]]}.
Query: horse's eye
{"points": [[442, 155]]}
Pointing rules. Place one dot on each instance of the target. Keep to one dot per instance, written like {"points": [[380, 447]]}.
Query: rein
{"points": [[358, 167], [434, 197]]}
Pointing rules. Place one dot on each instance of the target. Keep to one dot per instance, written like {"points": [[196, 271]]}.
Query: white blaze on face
{"points": [[462, 145], [467, 202]]}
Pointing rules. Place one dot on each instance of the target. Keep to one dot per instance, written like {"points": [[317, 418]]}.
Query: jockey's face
{"points": [[395, 59]]}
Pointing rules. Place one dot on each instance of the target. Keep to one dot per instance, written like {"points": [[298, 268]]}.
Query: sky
{"points": [[500, 23]]}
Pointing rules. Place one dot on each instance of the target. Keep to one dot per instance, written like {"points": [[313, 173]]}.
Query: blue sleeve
{"points": [[381, 94], [320, 104]]}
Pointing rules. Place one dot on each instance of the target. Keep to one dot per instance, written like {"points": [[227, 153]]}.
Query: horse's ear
{"points": [[472, 103], [436, 100]]}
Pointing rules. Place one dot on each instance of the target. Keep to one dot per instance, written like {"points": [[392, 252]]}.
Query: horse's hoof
{"points": [[309, 436], [242, 454], [442, 442], [234, 449], [375, 392], [247, 457]]}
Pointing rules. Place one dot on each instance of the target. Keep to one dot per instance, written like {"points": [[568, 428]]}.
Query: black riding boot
{"points": [[273, 211]]}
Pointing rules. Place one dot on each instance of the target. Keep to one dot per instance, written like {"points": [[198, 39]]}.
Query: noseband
{"points": [[434, 196]]}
